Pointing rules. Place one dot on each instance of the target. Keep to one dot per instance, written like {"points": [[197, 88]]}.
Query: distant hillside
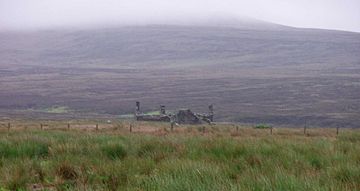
{"points": [[252, 72]]}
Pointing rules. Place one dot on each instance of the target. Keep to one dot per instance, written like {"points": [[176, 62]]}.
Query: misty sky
{"points": [[47, 14]]}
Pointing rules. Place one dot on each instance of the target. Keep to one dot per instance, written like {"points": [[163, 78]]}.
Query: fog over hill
{"points": [[252, 71]]}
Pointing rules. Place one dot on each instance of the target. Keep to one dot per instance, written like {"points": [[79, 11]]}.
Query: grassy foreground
{"points": [[106, 160]]}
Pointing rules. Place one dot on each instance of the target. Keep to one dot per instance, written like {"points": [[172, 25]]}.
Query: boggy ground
{"points": [[152, 157]]}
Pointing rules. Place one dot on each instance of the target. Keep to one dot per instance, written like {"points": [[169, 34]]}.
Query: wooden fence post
{"points": [[305, 128], [172, 126], [130, 128], [97, 127], [337, 130], [41, 126], [9, 125], [68, 126], [237, 128], [203, 129], [271, 129]]}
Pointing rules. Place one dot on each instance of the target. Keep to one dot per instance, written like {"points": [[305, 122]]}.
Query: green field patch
{"points": [[53, 109]]}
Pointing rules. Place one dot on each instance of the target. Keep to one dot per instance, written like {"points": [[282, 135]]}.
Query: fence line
{"points": [[202, 128]]}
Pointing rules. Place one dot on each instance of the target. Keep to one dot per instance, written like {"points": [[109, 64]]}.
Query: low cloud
{"points": [[45, 14]]}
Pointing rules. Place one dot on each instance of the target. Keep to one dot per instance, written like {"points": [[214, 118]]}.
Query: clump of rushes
{"points": [[23, 148], [17, 179], [156, 150], [66, 171], [114, 151]]}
